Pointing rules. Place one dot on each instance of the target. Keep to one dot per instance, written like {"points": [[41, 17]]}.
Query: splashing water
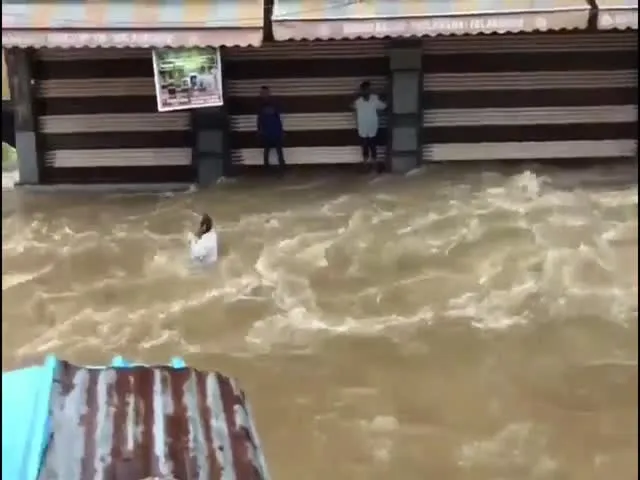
{"points": [[449, 325]]}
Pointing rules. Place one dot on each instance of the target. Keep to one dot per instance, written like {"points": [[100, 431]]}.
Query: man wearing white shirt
{"points": [[367, 106], [204, 244]]}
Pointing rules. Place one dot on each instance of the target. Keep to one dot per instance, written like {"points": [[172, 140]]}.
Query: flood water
{"points": [[448, 325]]}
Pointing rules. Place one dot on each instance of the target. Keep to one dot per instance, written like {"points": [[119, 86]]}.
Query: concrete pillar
{"points": [[210, 144], [22, 87], [405, 115]]}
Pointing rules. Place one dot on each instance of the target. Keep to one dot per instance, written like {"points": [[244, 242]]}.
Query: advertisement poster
{"points": [[187, 78]]}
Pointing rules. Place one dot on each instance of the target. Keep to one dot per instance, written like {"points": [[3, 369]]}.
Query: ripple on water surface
{"points": [[481, 317]]}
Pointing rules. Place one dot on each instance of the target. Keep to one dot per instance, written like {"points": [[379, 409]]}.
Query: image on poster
{"points": [[187, 78]]}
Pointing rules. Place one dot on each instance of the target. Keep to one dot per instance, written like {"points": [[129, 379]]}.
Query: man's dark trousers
{"points": [[273, 144]]}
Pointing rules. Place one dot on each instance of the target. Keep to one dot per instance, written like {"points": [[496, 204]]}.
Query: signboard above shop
{"points": [[123, 38], [418, 18]]}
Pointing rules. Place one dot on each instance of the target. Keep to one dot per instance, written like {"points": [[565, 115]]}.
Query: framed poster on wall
{"points": [[187, 78]]}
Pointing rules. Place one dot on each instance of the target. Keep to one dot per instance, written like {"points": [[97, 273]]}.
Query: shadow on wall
{"points": [[5, 82], [8, 127]]}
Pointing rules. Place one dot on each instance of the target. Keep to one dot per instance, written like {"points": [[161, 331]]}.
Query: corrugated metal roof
{"points": [[299, 19], [150, 422]]}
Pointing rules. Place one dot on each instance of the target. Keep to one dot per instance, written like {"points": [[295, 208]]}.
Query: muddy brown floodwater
{"points": [[448, 325]]}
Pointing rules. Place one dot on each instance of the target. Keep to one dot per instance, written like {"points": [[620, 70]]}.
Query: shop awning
{"points": [[131, 23], [617, 14], [323, 19]]}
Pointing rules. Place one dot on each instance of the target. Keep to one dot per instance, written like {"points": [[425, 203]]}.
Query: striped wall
{"points": [[509, 97], [314, 84], [531, 97], [544, 96], [98, 119]]}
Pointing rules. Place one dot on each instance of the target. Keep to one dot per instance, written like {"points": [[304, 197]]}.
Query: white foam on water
{"points": [[488, 318], [380, 435], [492, 252], [518, 447]]}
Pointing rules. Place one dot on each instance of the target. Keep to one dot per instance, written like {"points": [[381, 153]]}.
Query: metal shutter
{"points": [[314, 84], [92, 118], [536, 97]]}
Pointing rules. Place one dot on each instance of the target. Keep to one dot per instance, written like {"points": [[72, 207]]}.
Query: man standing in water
{"points": [[270, 130], [367, 106], [204, 243]]}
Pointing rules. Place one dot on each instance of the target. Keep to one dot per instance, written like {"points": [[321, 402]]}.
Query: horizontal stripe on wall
{"points": [[246, 105], [444, 45], [289, 87], [504, 81], [108, 87], [522, 43], [302, 155], [531, 98], [455, 117], [469, 134], [529, 133], [530, 116], [306, 138], [74, 54], [351, 48], [532, 42], [455, 63], [116, 140], [306, 68], [140, 122], [354, 67], [134, 86], [452, 100], [303, 121], [516, 152], [91, 69], [498, 43], [120, 175], [523, 151], [97, 105], [530, 62], [119, 158], [306, 104], [527, 80]]}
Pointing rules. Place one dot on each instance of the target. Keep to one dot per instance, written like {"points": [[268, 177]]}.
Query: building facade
{"points": [[525, 82], [536, 97], [82, 84], [314, 83], [519, 83]]}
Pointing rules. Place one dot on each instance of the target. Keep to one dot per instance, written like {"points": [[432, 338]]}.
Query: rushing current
{"points": [[449, 324]]}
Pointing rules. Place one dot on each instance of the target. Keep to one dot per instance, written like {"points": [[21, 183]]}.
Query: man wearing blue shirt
{"points": [[270, 129]]}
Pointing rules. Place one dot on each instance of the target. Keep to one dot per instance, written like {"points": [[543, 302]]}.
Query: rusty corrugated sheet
{"points": [[150, 422]]}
